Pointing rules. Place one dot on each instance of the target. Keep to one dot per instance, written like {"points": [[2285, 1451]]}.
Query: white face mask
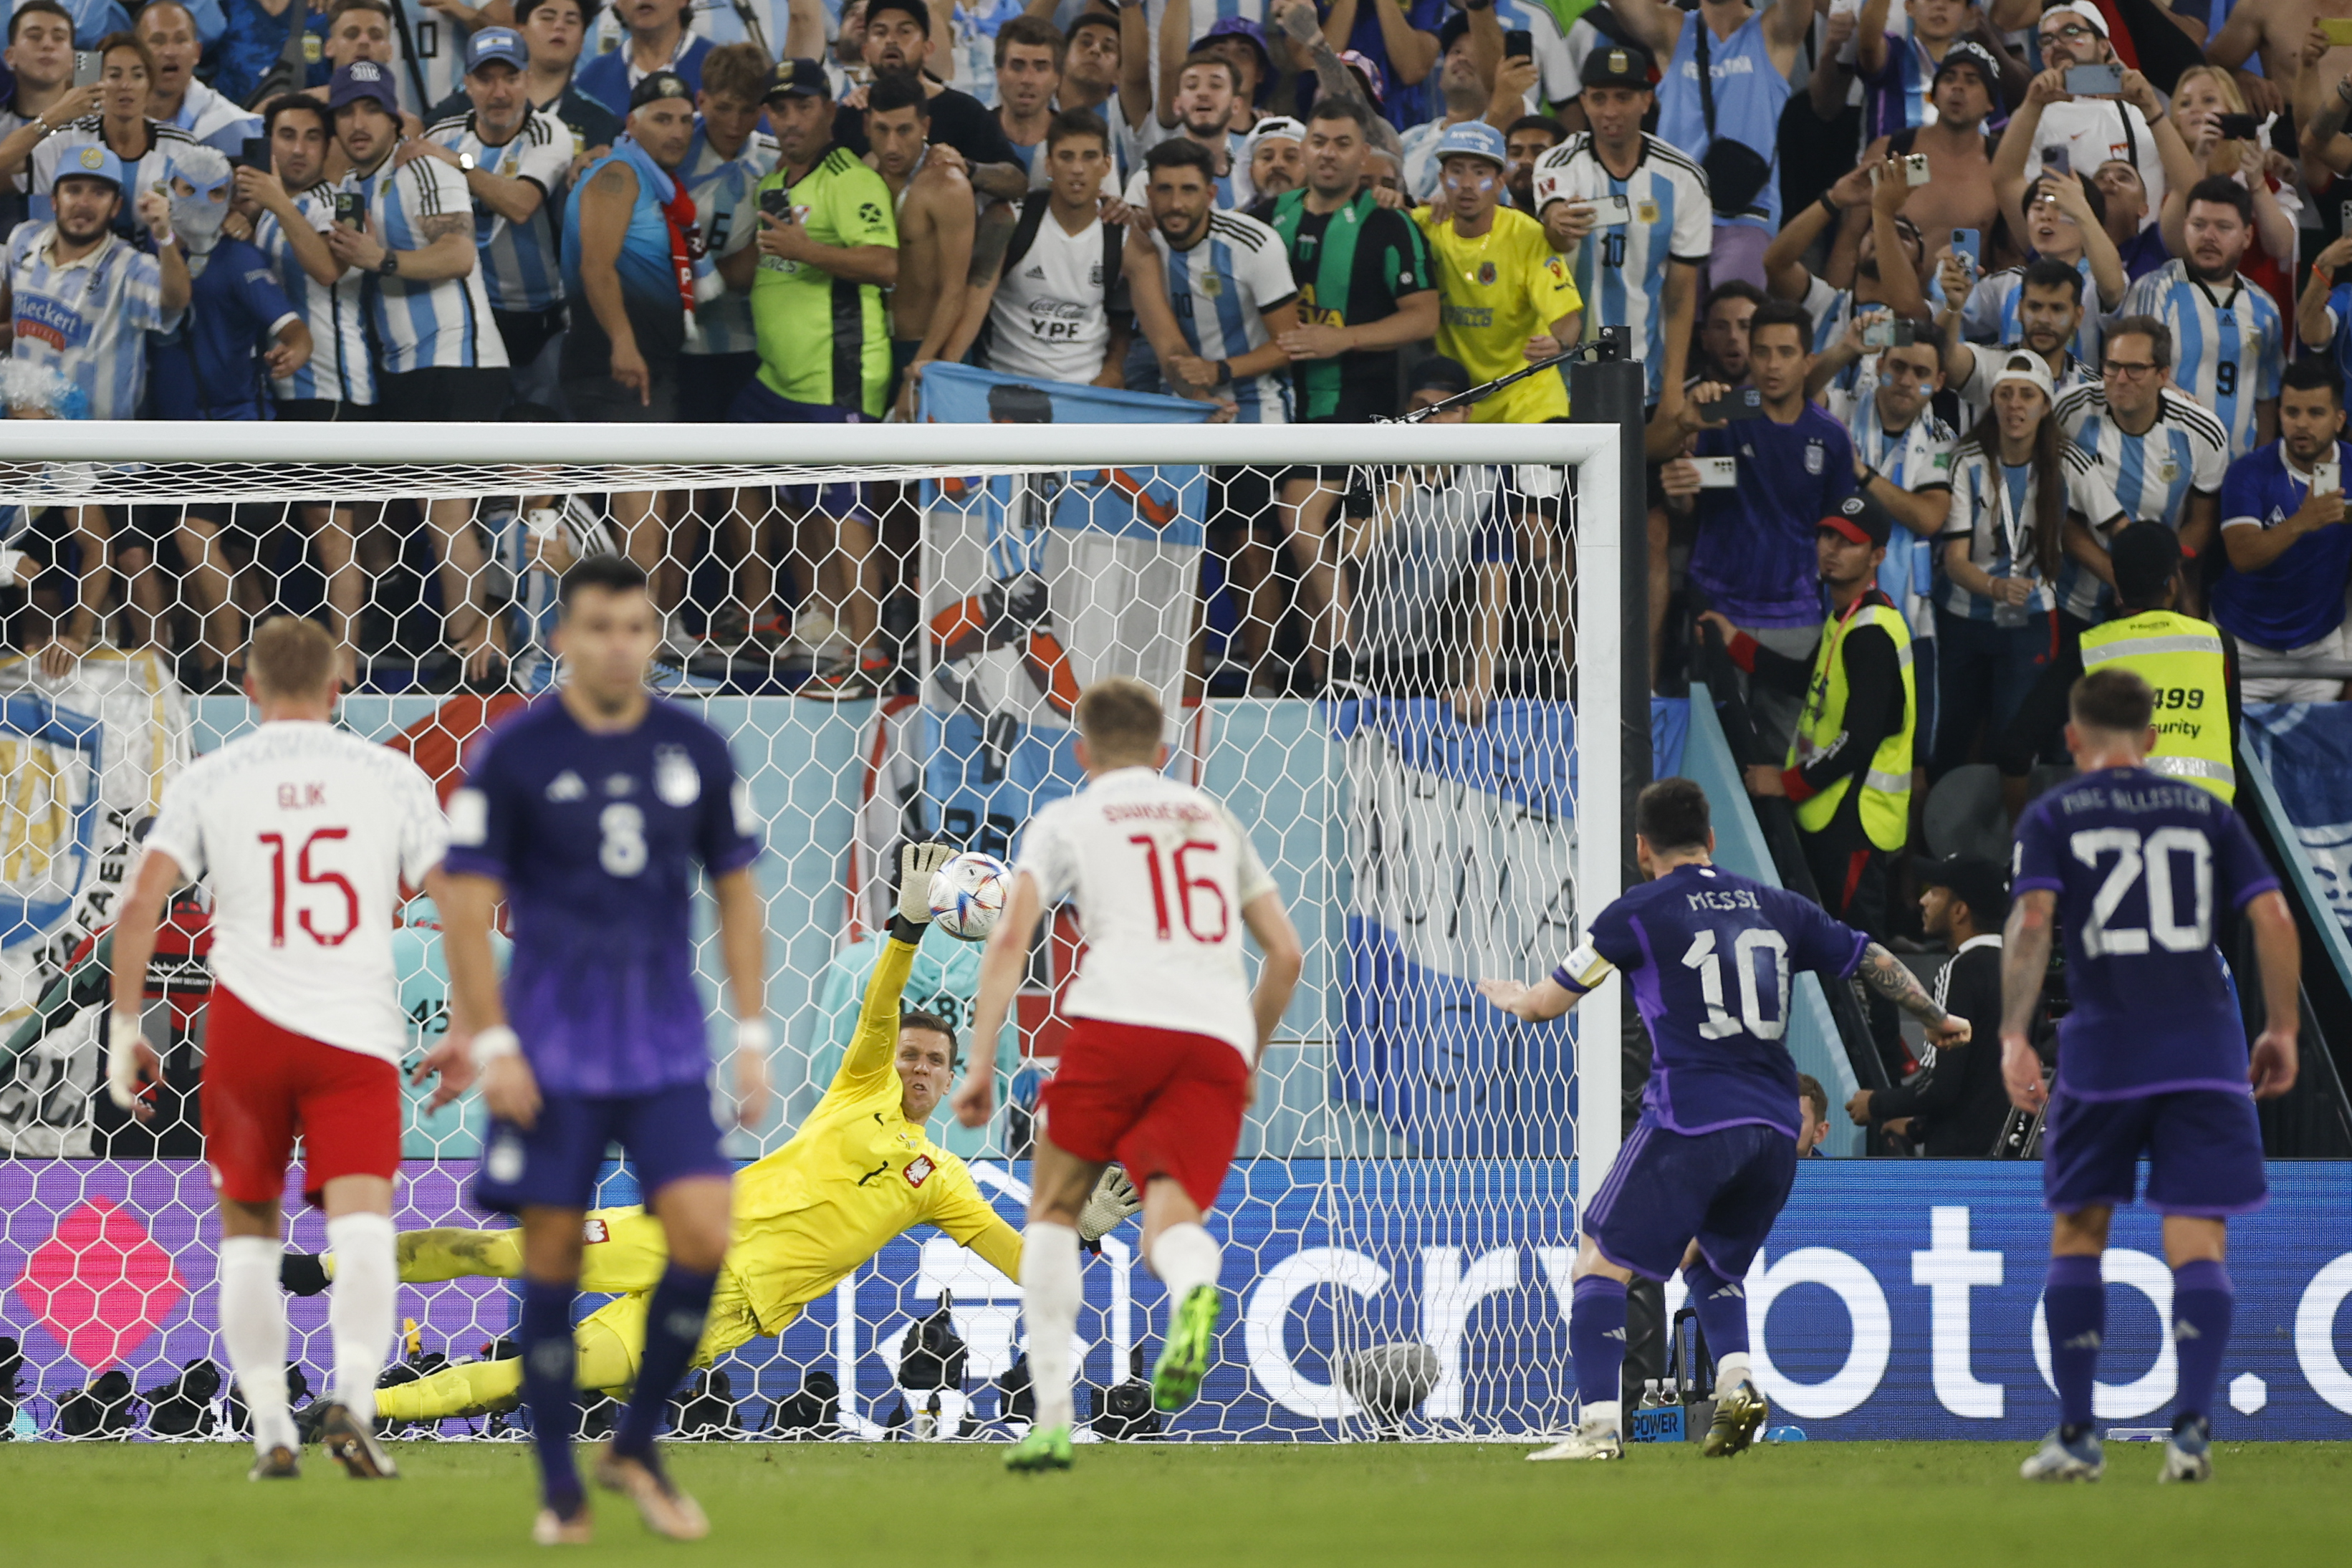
{"points": [[198, 211]]}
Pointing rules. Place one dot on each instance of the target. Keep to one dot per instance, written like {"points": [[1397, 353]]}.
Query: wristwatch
{"points": [[465, 163], [390, 265]]}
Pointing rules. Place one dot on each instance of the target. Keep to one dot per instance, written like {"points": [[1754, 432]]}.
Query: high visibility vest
{"points": [[2180, 657], [1886, 780]]}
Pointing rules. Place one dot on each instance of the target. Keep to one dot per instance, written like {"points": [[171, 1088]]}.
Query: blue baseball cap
{"points": [[92, 162], [496, 44], [359, 79], [1243, 28], [1472, 139]]}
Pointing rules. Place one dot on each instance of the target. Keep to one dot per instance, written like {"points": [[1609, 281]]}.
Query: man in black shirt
{"points": [[1953, 1107], [899, 38]]}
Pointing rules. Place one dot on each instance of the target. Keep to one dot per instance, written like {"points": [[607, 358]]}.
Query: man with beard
{"points": [[1525, 140], [1463, 95], [899, 38], [175, 96], [514, 159], [1211, 290], [1723, 320], [1206, 91], [2093, 130], [2231, 341], [2048, 318], [2283, 537], [1642, 273], [2063, 218], [1877, 280], [80, 299]]}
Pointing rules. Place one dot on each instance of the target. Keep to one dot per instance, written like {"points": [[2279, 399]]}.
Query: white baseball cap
{"points": [[2092, 15], [2024, 366]]}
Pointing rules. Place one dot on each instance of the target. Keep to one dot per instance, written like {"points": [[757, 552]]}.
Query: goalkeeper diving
{"points": [[860, 1171]]}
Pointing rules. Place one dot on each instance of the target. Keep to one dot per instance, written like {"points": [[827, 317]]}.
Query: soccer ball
{"points": [[968, 895]]}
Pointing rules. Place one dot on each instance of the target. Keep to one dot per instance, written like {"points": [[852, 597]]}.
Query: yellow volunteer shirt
{"points": [[1497, 291], [855, 1175]]}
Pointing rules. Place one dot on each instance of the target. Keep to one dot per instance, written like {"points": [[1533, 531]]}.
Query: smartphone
{"points": [[2326, 478], [777, 202], [350, 209], [1889, 334], [1914, 170], [1611, 211], [89, 65], [1519, 44], [2237, 126], [2056, 160], [254, 153], [1717, 473], [1969, 245], [2336, 29], [1739, 403], [2094, 81]]}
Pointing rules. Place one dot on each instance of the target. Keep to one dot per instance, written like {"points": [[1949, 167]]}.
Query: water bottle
{"points": [[1785, 1435], [1652, 1395]]}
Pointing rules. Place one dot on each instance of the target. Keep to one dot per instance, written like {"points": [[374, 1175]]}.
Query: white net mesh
{"points": [[1369, 666]]}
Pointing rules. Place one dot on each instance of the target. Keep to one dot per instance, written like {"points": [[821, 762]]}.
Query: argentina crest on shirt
{"points": [[1814, 456], [675, 778]]}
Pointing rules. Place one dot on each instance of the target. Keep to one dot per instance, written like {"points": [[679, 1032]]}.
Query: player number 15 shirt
{"points": [[597, 838], [304, 833], [1159, 872]]}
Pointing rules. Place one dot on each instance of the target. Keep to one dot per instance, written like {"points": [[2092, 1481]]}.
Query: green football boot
{"points": [[1184, 1358], [1043, 1448]]}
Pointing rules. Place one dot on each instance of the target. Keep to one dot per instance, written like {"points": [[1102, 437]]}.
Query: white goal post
{"points": [[838, 792]]}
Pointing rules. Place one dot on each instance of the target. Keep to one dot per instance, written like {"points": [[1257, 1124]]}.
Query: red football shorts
{"points": [[264, 1085], [1160, 1102]]}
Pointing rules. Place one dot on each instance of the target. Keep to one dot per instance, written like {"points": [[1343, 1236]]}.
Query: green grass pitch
{"points": [[928, 1506]]}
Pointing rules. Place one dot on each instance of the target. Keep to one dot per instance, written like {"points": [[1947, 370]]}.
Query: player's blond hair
{"points": [[291, 657], [1120, 719]]}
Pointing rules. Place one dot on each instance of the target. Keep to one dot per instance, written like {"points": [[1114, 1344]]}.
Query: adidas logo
{"points": [[2088, 1340], [567, 786], [1730, 1293], [1614, 1333], [2184, 1332], [1036, 271]]}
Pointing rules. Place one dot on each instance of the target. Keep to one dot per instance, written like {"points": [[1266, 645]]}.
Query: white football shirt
{"points": [[1047, 320], [1159, 872], [304, 833]]}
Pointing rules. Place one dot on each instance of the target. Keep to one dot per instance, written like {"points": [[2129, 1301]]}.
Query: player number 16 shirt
{"points": [[1159, 872]]}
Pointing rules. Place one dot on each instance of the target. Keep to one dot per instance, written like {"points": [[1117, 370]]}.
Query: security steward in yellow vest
{"points": [[2191, 665], [1849, 769]]}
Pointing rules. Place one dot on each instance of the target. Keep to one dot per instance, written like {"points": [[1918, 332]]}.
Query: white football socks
{"points": [[1184, 1256], [360, 1306], [1731, 1371], [1049, 1301], [253, 1334]]}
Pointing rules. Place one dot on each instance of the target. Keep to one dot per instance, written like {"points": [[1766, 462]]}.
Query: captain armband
{"points": [[1582, 970]]}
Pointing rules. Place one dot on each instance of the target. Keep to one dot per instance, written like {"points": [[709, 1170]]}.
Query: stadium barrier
{"points": [[1922, 1322]]}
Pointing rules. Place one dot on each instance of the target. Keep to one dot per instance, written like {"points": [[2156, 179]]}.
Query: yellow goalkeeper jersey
{"points": [[855, 1175], [1496, 292]]}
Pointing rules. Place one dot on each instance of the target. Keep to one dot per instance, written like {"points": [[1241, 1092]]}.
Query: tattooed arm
{"points": [[1886, 974], [2024, 960]]}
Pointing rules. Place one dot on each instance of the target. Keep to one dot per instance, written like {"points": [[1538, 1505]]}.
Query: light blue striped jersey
{"points": [[520, 267], [1832, 310], [1991, 314], [1999, 518], [1749, 96], [339, 367], [2229, 343], [1220, 291], [1915, 459], [2151, 474], [421, 326], [152, 167], [722, 191], [1622, 271], [214, 120], [88, 319]]}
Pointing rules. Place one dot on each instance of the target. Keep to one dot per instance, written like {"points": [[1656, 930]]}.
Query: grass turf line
{"points": [[925, 1505]]}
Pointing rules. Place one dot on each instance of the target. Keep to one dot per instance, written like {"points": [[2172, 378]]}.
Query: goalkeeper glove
{"points": [[916, 865], [1112, 1200]]}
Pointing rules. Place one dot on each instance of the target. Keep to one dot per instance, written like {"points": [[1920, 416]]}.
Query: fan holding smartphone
{"points": [[1631, 214], [2087, 101]]}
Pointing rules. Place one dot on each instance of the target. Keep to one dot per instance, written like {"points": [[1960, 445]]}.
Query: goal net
{"points": [[1385, 648]]}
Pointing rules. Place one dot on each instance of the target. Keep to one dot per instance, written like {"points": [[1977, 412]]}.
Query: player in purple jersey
{"points": [[588, 813], [2152, 1055], [1710, 956]]}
